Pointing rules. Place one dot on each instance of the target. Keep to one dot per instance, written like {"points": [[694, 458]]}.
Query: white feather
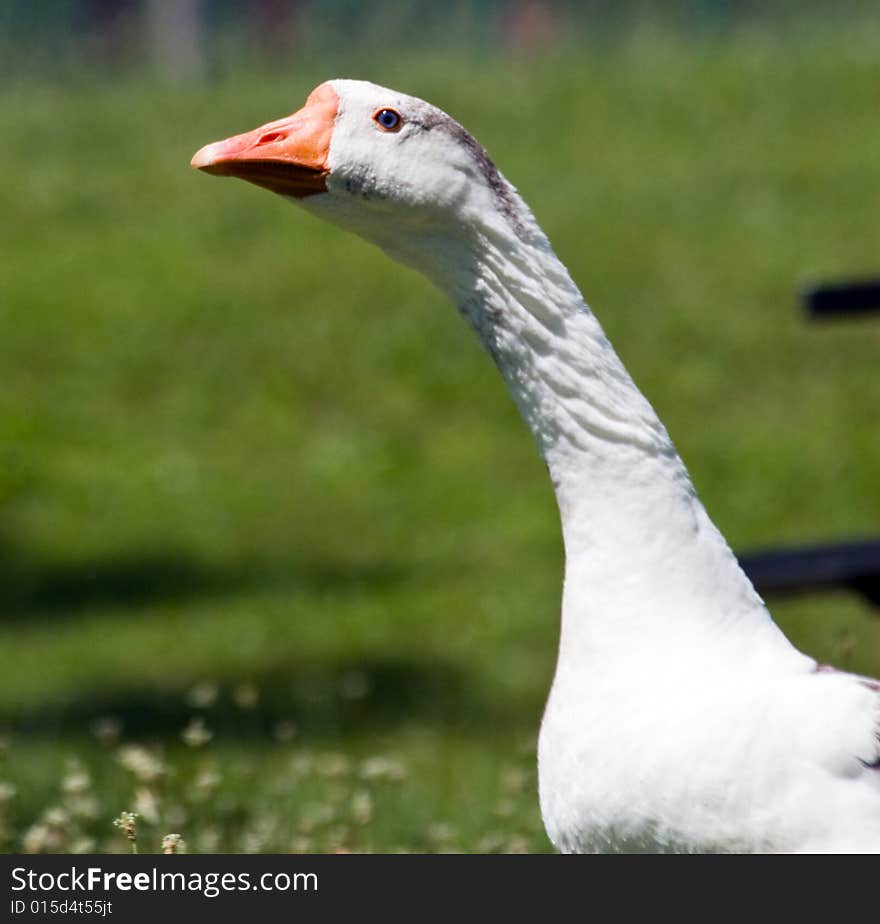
{"points": [[680, 717]]}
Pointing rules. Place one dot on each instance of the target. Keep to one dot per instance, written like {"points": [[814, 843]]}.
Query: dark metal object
{"points": [[853, 566], [843, 299], [847, 565]]}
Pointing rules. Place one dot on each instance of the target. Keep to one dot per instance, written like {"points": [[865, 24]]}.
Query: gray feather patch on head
{"points": [[432, 118]]}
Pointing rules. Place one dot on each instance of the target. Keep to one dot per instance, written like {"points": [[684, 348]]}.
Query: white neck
{"points": [[642, 556], [646, 568]]}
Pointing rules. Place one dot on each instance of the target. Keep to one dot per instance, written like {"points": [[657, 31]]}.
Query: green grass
{"points": [[240, 447]]}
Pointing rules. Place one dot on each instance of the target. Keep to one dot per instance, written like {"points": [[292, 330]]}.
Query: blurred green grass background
{"points": [[241, 449]]}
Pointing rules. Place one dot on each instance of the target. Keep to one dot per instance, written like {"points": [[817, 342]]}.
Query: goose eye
{"points": [[387, 119]]}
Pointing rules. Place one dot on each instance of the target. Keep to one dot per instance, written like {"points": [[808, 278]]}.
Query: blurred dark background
{"points": [[199, 38]]}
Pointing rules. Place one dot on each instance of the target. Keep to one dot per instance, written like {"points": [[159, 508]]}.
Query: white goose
{"points": [[680, 717]]}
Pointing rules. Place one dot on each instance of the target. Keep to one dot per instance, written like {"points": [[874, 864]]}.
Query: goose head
{"points": [[390, 167]]}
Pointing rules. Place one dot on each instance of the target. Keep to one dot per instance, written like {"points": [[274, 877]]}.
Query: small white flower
{"points": [[196, 734], [441, 833], [517, 844], [383, 768], [127, 824], [173, 843], [207, 779], [146, 805], [76, 779], [491, 843], [56, 817], [205, 784], [203, 695], [333, 766], [144, 765], [37, 838], [83, 805], [83, 845], [302, 764], [361, 807]]}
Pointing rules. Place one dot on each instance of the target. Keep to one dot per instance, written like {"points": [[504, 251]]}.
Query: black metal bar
{"points": [[851, 566], [843, 299]]}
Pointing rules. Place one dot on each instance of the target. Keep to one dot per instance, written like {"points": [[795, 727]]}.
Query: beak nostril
{"points": [[269, 138]]}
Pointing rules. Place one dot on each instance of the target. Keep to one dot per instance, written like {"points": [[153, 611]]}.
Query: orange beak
{"points": [[288, 156]]}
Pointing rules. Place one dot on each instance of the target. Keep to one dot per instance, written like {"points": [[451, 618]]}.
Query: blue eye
{"points": [[389, 119]]}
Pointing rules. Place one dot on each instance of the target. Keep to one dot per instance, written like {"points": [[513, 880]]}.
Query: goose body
{"points": [[680, 718]]}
